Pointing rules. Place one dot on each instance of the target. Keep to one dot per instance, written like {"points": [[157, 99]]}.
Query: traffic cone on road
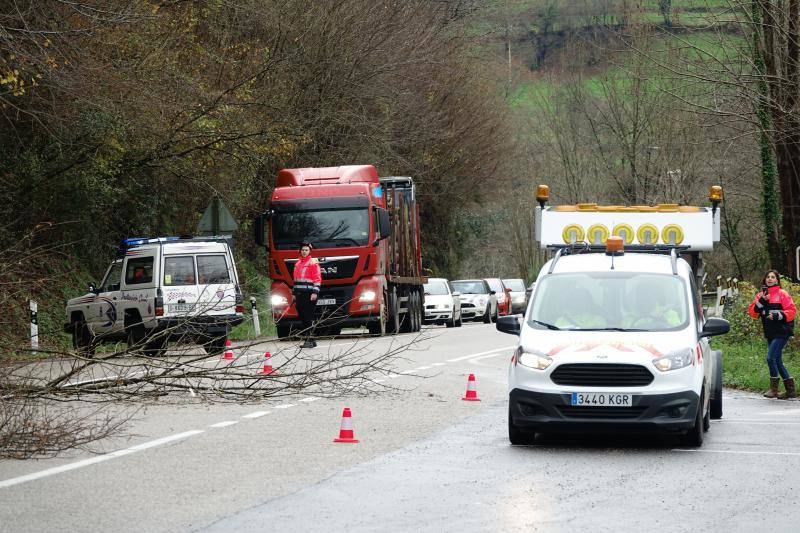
{"points": [[228, 354], [346, 431], [267, 364], [472, 393]]}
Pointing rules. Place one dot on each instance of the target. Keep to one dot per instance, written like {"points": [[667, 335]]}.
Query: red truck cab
{"points": [[365, 234]]}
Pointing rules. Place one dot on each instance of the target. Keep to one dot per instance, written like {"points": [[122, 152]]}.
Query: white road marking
{"points": [[741, 452], [757, 422], [224, 424], [256, 414], [408, 371], [310, 399], [283, 406], [98, 459], [423, 368], [474, 355], [787, 412], [438, 364]]}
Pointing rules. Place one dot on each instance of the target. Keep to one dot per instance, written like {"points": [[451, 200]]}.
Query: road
{"points": [[426, 461]]}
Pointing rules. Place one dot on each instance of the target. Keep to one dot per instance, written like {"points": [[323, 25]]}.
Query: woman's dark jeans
{"points": [[305, 310], [775, 358]]}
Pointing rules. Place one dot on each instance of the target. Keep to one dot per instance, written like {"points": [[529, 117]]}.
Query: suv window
{"points": [[139, 271], [111, 283], [179, 271], [212, 269]]}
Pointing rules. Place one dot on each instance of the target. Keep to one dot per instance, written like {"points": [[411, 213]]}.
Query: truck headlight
{"points": [[367, 296], [532, 359], [675, 360], [279, 301]]}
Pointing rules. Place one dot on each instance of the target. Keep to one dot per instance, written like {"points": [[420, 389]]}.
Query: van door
{"points": [[216, 281], [102, 314], [138, 289], [180, 286]]}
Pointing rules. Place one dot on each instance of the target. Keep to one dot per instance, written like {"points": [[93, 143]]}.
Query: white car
{"points": [[478, 301], [442, 305], [614, 342], [161, 289]]}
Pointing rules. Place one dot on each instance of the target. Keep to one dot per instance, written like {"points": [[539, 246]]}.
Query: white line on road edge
{"points": [[98, 459], [224, 424], [758, 422], [742, 452], [256, 414], [423, 368], [309, 399], [438, 364], [471, 356], [283, 406], [788, 412]]}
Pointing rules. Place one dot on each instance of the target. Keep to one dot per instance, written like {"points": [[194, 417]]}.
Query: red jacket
{"points": [[780, 306], [307, 275]]}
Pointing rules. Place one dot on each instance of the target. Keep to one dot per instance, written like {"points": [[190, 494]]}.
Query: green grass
{"points": [[745, 364]]}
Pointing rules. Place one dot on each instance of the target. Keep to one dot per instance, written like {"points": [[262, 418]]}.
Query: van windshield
{"points": [[323, 228], [610, 301]]}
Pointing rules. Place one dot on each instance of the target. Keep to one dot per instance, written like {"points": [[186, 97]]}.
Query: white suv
{"points": [[161, 289], [614, 341]]}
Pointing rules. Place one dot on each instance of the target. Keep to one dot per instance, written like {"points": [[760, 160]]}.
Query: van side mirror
{"points": [[260, 228], [715, 326], [384, 227], [92, 287], [509, 324]]}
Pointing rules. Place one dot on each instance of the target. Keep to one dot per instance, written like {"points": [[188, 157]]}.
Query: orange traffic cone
{"points": [[267, 364], [472, 394], [346, 431], [228, 354]]}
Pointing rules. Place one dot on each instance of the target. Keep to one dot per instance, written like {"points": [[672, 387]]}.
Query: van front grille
{"points": [[602, 375]]}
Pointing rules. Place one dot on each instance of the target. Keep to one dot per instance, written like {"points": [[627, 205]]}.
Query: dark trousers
{"points": [[775, 358], [305, 310]]}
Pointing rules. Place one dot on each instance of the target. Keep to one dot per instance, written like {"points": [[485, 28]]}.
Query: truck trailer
{"points": [[366, 236]]}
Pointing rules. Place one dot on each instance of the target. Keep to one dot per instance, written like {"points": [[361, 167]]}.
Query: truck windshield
{"points": [[610, 301], [323, 228]]}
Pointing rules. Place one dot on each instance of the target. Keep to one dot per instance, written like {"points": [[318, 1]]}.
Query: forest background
{"points": [[125, 118]]}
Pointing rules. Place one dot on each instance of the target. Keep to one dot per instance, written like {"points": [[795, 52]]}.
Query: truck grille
{"points": [[332, 267], [602, 375], [582, 411]]}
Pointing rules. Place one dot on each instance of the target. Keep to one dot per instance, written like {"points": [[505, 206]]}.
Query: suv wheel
{"points": [[82, 339], [136, 335]]}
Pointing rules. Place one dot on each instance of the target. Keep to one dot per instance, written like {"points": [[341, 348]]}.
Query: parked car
{"points": [[519, 297], [161, 289], [442, 304], [478, 301], [502, 295], [529, 291]]}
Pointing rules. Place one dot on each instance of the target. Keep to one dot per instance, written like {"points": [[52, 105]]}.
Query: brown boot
{"points": [[773, 388], [791, 389]]}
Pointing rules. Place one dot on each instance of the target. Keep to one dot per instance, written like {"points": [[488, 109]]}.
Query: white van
{"points": [[615, 338], [161, 289]]}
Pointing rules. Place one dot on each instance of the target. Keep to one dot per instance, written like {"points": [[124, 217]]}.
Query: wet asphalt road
{"points": [[427, 461]]}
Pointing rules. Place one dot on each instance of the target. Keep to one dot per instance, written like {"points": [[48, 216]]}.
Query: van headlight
{"points": [[279, 301], [532, 359], [675, 360]]}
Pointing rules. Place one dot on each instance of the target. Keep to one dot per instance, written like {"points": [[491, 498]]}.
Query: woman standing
{"points": [[776, 309], [307, 280]]}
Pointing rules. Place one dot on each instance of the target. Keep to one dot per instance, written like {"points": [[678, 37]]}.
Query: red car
{"points": [[502, 295]]}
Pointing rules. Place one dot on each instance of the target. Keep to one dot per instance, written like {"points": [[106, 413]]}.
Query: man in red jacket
{"points": [[307, 280]]}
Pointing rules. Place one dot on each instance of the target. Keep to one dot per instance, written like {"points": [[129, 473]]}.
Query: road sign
{"points": [[217, 220]]}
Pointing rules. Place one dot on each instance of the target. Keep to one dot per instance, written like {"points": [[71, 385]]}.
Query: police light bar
{"points": [[138, 241], [692, 227]]}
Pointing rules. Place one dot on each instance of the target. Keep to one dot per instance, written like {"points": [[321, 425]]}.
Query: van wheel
{"points": [[517, 435], [694, 437], [716, 399], [215, 345], [82, 339]]}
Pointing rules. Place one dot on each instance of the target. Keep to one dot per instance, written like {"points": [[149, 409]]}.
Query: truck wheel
{"points": [[694, 437], [378, 327], [716, 399], [406, 319], [393, 317], [517, 435], [417, 311], [82, 339]]}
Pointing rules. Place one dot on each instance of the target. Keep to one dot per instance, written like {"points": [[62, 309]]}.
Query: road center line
{"points": [[224, 424], [310, 399], [472, 356], [741, 452], [98, 459], [256, 414], [283, 406]]}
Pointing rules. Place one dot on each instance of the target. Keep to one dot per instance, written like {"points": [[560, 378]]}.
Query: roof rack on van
{"points": [[138, 241], [584, 247]]}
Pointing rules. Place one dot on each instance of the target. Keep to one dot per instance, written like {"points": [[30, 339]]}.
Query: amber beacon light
{"points": [[614, 245], [542, 194], [715, 197]]}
